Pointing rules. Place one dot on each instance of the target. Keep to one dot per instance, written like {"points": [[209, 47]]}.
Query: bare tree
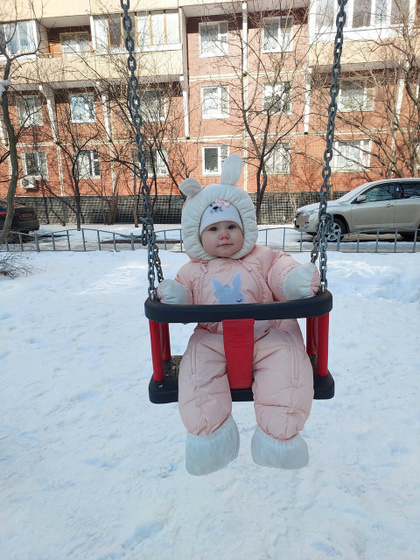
{"points": [[378, 118], [267, 92], [169, 156], [16, 42]]}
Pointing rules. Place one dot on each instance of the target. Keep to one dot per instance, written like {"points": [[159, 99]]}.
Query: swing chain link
{"points": [[325, 220], [148, 234]]}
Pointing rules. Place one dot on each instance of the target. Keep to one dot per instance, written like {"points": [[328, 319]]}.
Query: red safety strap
{"points": [[238, 340], [317, 341]]}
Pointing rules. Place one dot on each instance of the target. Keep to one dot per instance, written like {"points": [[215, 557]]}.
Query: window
{"points": [[351, 155], [400, 10], [213, 38], [324, 14], [109, 33], [278, 160], [75, 43], [115, 32], [155, 162], [380, 193], [213, 159], [410, 190], [152, 106], [88, 164], [277, 99], [35, 164], [158, 28], [82, 108], [136, 166], [368, 13], [152, 29], [17, 38], [215, 102], [29, 109], [355, 95], [362, 13], [277, 34]]}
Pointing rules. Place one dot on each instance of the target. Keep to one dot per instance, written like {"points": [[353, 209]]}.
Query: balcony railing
{"points": [[61, 68]]}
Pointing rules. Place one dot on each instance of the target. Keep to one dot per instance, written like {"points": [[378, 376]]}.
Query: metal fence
{"points": [[277, 237]]}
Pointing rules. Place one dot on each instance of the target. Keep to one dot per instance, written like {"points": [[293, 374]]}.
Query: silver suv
{"points": [[386, 205]]}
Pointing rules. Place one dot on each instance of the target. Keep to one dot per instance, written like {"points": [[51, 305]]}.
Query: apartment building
{"points": [[214, 78]]}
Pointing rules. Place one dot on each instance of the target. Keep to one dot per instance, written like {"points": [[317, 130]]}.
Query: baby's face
{"points": [[222, 239]]}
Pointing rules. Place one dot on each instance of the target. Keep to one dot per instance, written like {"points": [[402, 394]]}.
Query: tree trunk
{"points": [[10, 197]]}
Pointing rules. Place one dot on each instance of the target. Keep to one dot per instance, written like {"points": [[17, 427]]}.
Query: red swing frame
{"points": [[238, 341]]}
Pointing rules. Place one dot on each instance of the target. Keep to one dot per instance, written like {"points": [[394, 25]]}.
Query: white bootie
{"points": [[207, 454], [270, 452]]}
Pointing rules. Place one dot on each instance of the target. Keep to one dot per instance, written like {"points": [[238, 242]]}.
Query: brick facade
{"points": [[75, 91]]}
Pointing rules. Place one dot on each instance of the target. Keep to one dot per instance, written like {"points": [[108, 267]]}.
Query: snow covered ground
{"points": [[89, 469]]}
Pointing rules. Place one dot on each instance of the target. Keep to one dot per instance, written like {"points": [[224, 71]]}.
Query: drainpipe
{"points": [[183, 80], [185, 100], [245, 83], [48, 93], [307, 107]]}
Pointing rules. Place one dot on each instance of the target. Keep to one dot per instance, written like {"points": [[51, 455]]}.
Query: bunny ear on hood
{"points": [[199, 199], [190, 187]]}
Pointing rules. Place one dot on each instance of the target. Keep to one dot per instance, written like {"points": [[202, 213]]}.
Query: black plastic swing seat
{"points": [[166, 390]]}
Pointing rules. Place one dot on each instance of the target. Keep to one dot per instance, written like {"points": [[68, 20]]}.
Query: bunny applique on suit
{"points": [[229, 294], [282, 373]]}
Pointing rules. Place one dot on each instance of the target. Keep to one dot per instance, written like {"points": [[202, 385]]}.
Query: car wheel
{"points": [[337, 231], [410, 236]]}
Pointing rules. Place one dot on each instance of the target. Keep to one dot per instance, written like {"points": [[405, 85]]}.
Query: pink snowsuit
{"points": [[282, 372]]}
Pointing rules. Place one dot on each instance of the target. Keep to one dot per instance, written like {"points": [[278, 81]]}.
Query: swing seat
{"points": [[238, 325]]}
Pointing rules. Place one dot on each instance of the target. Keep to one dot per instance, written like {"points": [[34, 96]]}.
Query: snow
{"points": [[90, 469]]}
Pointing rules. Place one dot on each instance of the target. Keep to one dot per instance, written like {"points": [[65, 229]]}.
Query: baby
{"points": [[226, 266]]}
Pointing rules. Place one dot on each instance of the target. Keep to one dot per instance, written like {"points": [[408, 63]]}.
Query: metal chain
{"points": [[148, 231], [325, 220]]}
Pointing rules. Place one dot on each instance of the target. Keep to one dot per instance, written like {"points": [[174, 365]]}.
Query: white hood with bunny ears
{"points": [[200, 198]]}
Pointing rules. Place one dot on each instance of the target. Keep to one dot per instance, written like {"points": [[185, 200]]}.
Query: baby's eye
{"points": [[212, 228], [232, 226]]}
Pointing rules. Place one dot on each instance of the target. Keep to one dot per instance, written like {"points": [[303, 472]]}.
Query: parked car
{"points": [[24, 219], [384, 205]]}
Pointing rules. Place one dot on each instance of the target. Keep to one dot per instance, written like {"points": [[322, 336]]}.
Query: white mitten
{"points": [[269, 452], [207, 454], [172, 292], [301, 282]]}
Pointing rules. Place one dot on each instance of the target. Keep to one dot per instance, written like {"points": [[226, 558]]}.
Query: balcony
{"points": [[84, 68], [364, 54]]}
